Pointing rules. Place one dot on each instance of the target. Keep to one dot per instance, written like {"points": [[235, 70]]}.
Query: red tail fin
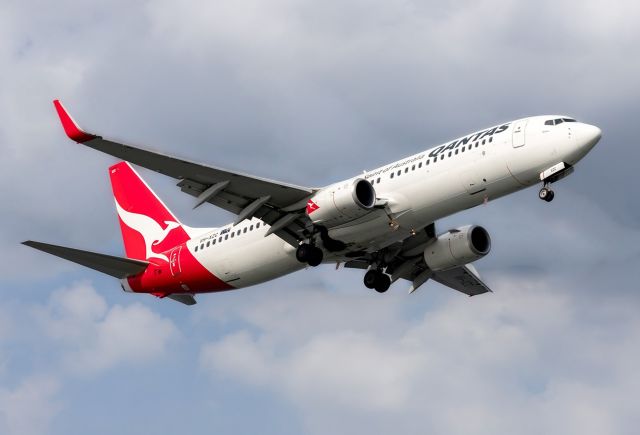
{"points": [[148, 227]]}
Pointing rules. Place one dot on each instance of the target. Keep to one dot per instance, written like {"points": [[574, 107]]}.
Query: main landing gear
{"points": [[310, 254], [376, 279], [546, 194]]}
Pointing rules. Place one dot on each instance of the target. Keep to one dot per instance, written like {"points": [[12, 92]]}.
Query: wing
{"points": [[278, 204], [465, 279], [405, 260]]}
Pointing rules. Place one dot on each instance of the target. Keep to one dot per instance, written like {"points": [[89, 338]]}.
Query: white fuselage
{"points": [[418, 190]]}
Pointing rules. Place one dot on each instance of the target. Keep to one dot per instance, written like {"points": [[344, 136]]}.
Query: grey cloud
{"points": [[528, 359]]}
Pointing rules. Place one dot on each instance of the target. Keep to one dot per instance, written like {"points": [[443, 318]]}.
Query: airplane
{"points": [[381, 221]]}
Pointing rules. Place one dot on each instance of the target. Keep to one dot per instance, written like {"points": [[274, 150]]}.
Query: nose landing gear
{"points": [[546, 194]]}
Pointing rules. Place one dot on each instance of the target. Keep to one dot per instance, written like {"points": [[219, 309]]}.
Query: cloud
{"points": [[29, 408], [528, 359], [95, 337]]}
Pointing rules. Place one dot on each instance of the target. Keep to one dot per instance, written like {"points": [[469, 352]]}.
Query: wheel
{"points": [[315, 256], [303, 252], [544, 193], [370, 278], [383, 283], [550, 196]]}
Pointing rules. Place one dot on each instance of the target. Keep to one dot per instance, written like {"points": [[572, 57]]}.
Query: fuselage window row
{"points": [[241, 231], [451, 153]]}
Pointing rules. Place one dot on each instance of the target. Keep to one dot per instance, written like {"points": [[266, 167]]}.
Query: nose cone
{"points": [[589, 136]]}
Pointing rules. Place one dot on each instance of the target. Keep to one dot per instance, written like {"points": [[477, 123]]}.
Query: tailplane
{"points": [[117, 267], [148, 227]]}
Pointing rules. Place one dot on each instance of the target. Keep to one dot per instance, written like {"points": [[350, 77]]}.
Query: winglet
{"points": [[71, 128]]}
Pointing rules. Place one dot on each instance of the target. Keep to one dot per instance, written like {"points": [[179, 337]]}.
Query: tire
{"points": [[303, 252], [370, 279], [543, 194], [383, 283], [315, 256], [550, 196]]}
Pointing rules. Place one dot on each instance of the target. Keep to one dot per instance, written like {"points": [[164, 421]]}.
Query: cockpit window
{"points": [[558, 121]]}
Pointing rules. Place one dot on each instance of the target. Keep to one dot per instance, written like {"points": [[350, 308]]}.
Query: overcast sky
{"points": [[310, 93]]}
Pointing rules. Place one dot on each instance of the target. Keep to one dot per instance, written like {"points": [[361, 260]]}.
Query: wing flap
{"points": [[118, 267]]}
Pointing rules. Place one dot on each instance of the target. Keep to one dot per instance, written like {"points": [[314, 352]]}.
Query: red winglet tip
{"points": [[70, 126]]}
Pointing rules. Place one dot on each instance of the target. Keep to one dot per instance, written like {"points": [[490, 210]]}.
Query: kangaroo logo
{"points": [[149, 229]]}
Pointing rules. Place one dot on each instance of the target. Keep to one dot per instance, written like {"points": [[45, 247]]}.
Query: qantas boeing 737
{"points": [[382, 221]]}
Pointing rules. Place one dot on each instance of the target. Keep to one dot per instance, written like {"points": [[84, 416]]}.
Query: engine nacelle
{"points": [[341, 203], [457, 248]]}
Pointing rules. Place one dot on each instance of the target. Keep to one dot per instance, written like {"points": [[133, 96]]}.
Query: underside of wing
{"points": [[465, 279], [405, 260]]}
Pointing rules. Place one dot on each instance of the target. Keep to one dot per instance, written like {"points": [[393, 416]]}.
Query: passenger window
{"points": [[476, 144], [399, 172], [428, 160], [419, 165], [378, 180], [406, 169], [213, 242], [413, 168], [220, 239], [196, 248], [245, 230], [491, 139], [484, 141], [208, 244], [202, 246], [233, 235], [441, 156], [456, 152], [391, 176], [226, 237], [258, 225], [449, 154], [462, 149]]}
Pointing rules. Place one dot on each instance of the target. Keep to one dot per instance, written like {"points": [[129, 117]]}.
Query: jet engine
{"points": [[457, 248], [341, 203]]}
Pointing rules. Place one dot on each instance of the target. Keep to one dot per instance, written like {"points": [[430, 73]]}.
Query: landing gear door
{"points": [[518, 136], [174, 261]]}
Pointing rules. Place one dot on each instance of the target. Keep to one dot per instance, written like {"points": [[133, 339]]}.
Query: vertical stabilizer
{"points": [[149, 229]]}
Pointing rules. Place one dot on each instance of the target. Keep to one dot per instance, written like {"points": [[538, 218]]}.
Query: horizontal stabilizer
{"points": [[117, 267], [183, 298]]}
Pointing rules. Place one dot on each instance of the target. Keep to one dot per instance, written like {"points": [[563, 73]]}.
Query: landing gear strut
{"points": [[307, 253], [546, 194], [377, 280]]}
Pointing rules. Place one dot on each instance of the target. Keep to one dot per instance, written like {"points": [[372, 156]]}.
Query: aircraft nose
{"points": [[590, 135]]}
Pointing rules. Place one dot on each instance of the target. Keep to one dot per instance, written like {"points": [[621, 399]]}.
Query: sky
{"points": [[311, 93]]}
